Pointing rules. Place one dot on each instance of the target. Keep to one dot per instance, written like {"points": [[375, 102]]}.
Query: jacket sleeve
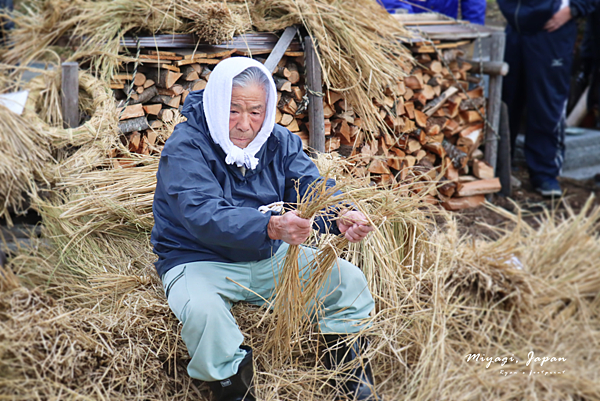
{"points": [[301, 172], [196, 199], [473, 11], [582, 8]]}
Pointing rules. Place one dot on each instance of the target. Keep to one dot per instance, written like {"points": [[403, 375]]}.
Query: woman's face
{"points": [[247, 113]]}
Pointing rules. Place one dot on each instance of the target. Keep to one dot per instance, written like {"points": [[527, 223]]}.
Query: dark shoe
{"points": [[356, 381], [549, 188], [238, 387]]}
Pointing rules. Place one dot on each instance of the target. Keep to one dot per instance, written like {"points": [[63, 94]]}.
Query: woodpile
{"points": [[151, 95], [435, 116]]}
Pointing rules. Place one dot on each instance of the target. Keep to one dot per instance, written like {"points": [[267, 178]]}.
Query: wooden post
{"points": [[70, 94], [504, 170], [314, 85], [498, 41], [281, 47]]}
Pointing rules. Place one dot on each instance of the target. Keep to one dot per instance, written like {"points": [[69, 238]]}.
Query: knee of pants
{"points": [[347, 282]]}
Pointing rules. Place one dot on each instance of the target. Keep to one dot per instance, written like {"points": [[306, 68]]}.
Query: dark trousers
{"points": [[540, 69]]}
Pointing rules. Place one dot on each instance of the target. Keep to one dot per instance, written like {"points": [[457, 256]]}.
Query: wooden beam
{"points": [[280, 48], [316, 119], [70, 94], [489, 67], [498, 42]]}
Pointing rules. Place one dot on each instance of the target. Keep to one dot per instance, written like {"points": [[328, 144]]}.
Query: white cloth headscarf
{"points": [[217, 103]]}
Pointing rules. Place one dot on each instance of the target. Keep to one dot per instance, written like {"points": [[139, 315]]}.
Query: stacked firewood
{"points": [[437, 120], [151, 94], [435, 115]]}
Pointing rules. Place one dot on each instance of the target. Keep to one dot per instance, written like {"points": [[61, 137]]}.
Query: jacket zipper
{"points": [[517, 17]]}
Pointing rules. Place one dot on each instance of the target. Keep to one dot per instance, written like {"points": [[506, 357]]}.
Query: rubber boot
{"points": [[238, 387], [356, 382]]}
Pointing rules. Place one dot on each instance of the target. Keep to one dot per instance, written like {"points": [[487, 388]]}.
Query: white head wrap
{"points": [[217, 103]]}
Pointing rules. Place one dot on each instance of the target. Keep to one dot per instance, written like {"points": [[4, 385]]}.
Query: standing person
{"points": [[540, 37], [217, 169], [471, 10]]}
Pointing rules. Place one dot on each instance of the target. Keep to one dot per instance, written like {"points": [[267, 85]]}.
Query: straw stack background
{"points": [[83, 314]]}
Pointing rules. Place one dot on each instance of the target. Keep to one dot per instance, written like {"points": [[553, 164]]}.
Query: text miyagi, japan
{"points": [[532, 359]]}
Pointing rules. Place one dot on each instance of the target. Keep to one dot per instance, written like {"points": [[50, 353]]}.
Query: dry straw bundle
{"points": [[360, 52], [421, 337], [24, 150], [96, 27], [359, 46], [33, 146], [289, 306]]}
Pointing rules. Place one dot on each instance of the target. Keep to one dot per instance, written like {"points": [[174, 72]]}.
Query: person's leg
{"points": [[344, 304], [513, 93], [201, 297], [547, 72], [344, 298]]}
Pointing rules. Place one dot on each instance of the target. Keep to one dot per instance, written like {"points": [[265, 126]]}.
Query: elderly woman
{"points": [[216, 248]]}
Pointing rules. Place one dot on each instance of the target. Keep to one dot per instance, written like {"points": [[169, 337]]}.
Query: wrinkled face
{"points": [[247, 113]]}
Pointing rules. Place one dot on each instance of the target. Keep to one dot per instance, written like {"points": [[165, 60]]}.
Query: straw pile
{"points": [[359, 53], [85, 317], [36, 150], [90, 319]]}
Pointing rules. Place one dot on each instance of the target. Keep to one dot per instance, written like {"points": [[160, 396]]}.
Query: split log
{"points": [[482, 170], [165, 78], [378, 166], [282, 84], [286, 119], [436, 103], [420, 118], [480, 187], [152, 109], [196, 85], [152, 136], [167, 101], [132, 111], [294, 77], [332, 144], [166, 115], [134, 141], [135, 124], [293, 125], [189, 73], [463, 203], [413, 82], [287, 105], [146, 95]]}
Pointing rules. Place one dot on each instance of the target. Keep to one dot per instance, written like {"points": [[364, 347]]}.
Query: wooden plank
{"points": [[198, 61], [480, 187], [280, 48], [463, 203], [504, 169], [131, 111], [160, 56], [316, 120], [70, 94], [498, 42]]}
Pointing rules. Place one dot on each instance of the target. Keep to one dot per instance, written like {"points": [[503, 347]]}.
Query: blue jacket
{"points": [[206, 210], [530, 16], [472, 10]]}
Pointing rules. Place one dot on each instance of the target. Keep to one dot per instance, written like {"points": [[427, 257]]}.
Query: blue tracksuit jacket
{"points": [[206, 210], [472, 10]]}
